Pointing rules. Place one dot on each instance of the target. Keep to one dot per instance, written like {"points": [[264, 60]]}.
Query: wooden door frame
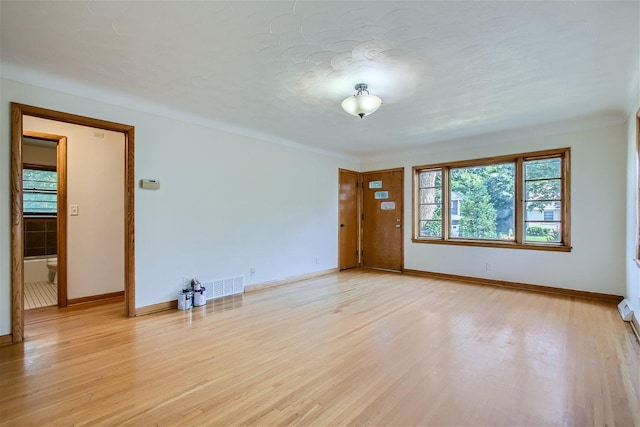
{"points": [[61, 220], [362, 177], [18, 111], [358, 213]]}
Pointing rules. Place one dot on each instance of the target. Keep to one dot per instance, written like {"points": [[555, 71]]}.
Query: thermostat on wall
{"points": [[150, 184]]}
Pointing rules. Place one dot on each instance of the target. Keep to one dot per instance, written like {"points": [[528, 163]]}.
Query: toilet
{"points": [[52, 266]]}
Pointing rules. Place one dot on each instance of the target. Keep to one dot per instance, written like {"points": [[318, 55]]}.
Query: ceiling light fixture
{"points": [[361, 104]]}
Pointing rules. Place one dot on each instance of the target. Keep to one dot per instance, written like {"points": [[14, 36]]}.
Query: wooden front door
{"points": [[348, 219], [382, 219]]}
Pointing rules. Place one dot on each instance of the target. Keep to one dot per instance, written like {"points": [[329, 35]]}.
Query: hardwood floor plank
{"points": [[357, 347]]}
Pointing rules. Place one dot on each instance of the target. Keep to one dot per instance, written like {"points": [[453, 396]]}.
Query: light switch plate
{"points": [[73, 210]]}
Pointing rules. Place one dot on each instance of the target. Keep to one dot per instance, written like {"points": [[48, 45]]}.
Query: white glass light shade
{"points": [[361, 105]]}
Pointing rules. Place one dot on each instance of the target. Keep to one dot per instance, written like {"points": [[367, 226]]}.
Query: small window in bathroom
{"points": [[40, 191]]}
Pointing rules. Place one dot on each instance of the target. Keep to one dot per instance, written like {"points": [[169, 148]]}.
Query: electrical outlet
{"points": [[317, 260], [252, 272], [488, 266]]}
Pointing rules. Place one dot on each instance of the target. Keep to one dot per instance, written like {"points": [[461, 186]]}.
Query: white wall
{"points": [[39, 155], [632, 292], [95, 183], [596, 262], [227, 202]]}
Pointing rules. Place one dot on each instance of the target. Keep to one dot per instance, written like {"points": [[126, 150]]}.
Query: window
{"points": [[431, 203], [39, 190], [543, 196], [518, 201]]}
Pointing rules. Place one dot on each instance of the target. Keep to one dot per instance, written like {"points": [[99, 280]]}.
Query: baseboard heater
{"points": [[625, 310]]}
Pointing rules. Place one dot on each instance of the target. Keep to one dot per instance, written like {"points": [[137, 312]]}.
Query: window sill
{"points": [[496, 244]]}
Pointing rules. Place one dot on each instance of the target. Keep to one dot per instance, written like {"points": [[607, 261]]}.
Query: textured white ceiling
{"points": [[444, 69]]}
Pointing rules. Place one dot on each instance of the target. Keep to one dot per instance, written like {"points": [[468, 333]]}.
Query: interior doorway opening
{"points": [[18, 113], [44, 178]]}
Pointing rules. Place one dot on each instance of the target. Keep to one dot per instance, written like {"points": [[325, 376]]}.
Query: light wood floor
{"points": [[357, 347], [40, 294]]}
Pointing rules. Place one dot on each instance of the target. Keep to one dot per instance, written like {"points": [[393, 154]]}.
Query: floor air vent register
{"points": [[223, 287]]}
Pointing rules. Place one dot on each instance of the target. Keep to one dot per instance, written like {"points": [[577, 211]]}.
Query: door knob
{"points": [[341, 225]]}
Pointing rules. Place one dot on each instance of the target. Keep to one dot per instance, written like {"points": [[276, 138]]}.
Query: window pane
{"points": [[540, 169], [430, 229], [430, 212], [40, 204], [543, 183], [39, 180], [40, 191], [430, 195], [431, 179], [544, 232], [486, 198], [40, 207], [28, 197], [547, 189], [538, 211]]}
